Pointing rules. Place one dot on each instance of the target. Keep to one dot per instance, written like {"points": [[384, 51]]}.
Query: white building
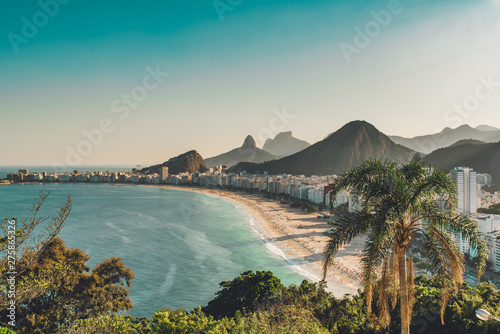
{"points": [[316, 195], [489, 226], [493, 243], [488, 223], [341, 198], [465, 181]]}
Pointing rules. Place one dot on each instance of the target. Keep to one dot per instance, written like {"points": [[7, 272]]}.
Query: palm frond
{"points": [[465, 228], [432, 185], [394, 273], [347, 227], [377, 248], [446, 261], [368, 179], [383, 295]]}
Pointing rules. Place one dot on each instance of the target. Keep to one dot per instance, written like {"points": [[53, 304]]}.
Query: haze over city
{"points": [[159, 78]]}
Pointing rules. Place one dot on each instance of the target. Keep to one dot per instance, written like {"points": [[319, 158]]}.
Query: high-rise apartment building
{"points": [[163, 173], [465, 181]]}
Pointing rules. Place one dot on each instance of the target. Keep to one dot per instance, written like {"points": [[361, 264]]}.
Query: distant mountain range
{"points": [[284, 144], [190, 162], [483, 158], [428, 143], [347, 147], [486, 128], [248, 152]]}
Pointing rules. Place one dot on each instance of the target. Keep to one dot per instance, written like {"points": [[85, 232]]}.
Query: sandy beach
{"points": [[298, 238]]}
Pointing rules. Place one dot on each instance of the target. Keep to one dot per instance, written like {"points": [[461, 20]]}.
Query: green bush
{"points": [[279, 319], [5, 330], [244, 293], [104, 325], [179, 322]]}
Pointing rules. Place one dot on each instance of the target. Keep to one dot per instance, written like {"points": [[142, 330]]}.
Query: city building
{"points": [[484, 179], [493, 243], [465, 181], [163, 173]]}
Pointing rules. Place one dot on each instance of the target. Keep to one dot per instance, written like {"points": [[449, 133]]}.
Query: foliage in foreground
{"points": [[53, 284], [110, 324], [306, 308], [280, 319], [22, 243], [244, 293], [71, 292]]}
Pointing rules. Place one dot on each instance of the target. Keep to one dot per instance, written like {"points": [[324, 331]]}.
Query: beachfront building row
{"points": [[314, 189]]}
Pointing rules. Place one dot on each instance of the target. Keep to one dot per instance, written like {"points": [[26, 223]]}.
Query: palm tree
{"points": [[397, 202]]}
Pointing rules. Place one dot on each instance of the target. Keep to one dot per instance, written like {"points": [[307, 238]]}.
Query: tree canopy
{"points": [[53, 282], [244, 293]]}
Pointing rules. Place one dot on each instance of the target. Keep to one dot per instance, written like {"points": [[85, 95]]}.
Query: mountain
{"points": [[248, 152], [188, 162], [347, 147], [284, 144], [486, 128], [483, 158], [446, 137], [468, 141]]}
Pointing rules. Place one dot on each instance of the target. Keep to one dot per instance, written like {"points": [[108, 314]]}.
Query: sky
{"points": [[129, 82]]}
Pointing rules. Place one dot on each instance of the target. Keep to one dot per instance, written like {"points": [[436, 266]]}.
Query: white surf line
{"points": [[264, 235], [255, 225], [279, 252]]}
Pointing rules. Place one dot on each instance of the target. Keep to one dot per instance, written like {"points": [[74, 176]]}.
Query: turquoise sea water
{"points": [[179, 244]]}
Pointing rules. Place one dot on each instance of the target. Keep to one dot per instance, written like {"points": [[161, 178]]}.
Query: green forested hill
{"points": [[483, 158]]}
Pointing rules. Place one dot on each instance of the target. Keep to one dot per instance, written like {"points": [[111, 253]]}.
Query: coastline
{"points": [[295, 236]]}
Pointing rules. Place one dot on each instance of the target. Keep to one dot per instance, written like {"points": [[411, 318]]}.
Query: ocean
{"points": [[179, 244]]}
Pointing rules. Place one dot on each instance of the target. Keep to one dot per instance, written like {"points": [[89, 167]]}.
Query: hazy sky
{"points": [[74, 70]]}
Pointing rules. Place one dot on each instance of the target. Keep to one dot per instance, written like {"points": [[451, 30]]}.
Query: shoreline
{"points": [[296, 237]]}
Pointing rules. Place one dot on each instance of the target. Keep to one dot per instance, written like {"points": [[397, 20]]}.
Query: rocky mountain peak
{"points": [[249, 142]]}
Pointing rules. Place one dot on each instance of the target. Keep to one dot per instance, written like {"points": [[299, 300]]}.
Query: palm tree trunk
{"points": [[403, 290]]}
